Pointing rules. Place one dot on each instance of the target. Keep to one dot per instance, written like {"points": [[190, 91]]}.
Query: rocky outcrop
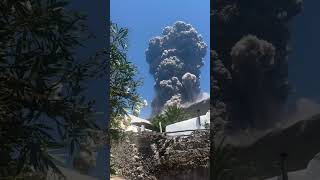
{"points": [[311, 172], [151, 155], [299, 141], [203, 106]]}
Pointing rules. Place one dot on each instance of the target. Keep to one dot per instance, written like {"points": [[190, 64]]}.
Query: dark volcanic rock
{"points": [[300, 141], [203, 106]]}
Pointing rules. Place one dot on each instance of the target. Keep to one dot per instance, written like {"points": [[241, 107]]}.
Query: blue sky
{"points": [[304, 60], [146, 19]]}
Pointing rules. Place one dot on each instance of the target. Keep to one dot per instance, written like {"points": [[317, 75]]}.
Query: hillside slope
{"points": [[300, 141]]}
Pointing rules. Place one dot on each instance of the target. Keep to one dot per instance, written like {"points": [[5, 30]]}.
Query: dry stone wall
{"points": [[154, 156]]}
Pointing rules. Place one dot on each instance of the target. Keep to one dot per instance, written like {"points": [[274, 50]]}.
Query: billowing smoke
{"points": [[305, 108], [175, 59], [250, 45], [253, 62]]}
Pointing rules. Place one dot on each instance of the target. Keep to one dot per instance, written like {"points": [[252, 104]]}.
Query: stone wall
{"points": [[151, 155]]}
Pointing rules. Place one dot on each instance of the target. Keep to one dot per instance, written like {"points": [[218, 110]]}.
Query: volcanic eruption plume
{"points": [[175, 59], [250, 62]]}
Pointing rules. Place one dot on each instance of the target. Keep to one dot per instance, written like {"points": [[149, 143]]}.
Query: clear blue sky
{"points": [[146, 19], [304, 60]]}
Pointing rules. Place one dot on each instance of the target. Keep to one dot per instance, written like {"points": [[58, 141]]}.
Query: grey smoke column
{"points": [[253, 62], [175, 59], [250, 68]]}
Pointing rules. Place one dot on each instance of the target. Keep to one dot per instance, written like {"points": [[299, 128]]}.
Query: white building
{"points": [[137, 124], [190, 124]]}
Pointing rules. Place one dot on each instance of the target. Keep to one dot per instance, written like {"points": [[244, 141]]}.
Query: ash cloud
{"points": [[305, 108], [253, 62], [175, 59], [250, 47]]}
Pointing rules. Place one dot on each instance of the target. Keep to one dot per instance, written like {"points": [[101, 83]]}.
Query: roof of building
{"points": [[137, 120]]}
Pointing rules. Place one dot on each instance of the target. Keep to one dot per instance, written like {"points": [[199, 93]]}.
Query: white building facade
{"points": [[190, 124]]}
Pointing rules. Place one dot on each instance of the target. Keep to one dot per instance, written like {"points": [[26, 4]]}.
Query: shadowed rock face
{"points": [[203, 106], [155, 156], [198, 174], [300, 141], [310, 173]]}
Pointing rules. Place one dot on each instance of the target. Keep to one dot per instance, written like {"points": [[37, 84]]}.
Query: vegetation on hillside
{"points": [[170, 115]]}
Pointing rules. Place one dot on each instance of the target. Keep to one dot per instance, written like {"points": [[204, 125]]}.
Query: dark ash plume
{"points": [[251, 39], [175, 59], [253, 61]]}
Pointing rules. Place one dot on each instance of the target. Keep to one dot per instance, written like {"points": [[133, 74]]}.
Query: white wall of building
{"points": [[190, 124]]}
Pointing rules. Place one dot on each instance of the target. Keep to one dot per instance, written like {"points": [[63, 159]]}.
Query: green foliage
{"points": [[206, 125], [155, 122], [41, 83], [123, 84], [123, 81], [170, 115]]}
